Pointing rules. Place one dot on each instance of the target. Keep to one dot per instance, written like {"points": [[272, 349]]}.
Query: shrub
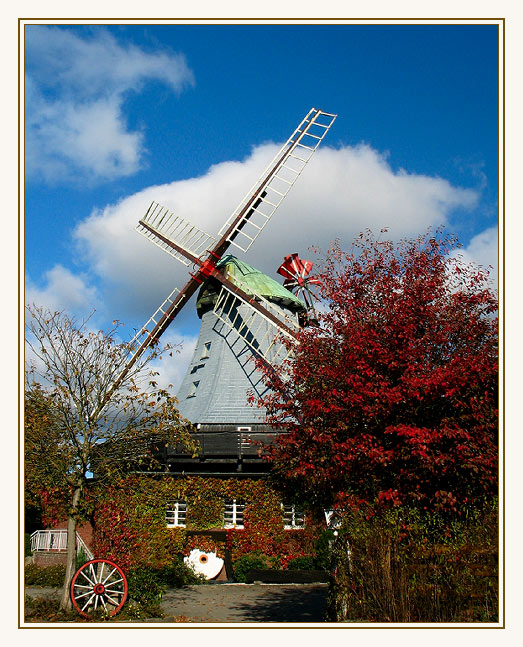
{"points": [[301, 563], [178, 574], [139, 611], [323, 550], [48, 610], [45, 576], [247, 562], [145, 586], [27, 545], [81, 558]]}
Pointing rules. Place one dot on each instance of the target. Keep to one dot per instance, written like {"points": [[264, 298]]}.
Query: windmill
{"points": [[203, 252], [244, 302]]}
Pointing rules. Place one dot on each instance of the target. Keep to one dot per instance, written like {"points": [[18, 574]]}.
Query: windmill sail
{"points": [[174, 235], [191, 245], [151, 331], [257, 208], [263, 332]]}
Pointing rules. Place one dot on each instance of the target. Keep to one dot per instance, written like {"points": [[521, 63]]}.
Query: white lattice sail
{"points": [[143, 338], [276, 181], [259, 332], [162, 227]]}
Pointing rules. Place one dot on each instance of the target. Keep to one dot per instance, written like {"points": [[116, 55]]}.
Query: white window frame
{"points": [[206, 350], [233, 514], [293, 517], [193, 389], [177, 511]]}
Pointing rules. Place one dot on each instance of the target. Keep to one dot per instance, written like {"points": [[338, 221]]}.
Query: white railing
{"points": [[55, 541]]}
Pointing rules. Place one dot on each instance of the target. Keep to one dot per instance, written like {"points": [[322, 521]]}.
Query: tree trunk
{"points": [[70, 568]]}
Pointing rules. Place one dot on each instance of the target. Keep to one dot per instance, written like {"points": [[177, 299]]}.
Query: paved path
{"points": [[235, 603], [241, 603]]}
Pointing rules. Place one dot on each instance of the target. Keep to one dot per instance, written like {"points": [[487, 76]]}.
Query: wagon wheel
{"points": [[99, 585]]}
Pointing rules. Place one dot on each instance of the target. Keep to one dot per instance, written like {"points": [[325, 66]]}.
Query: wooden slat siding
{"points": [[227, 443]]}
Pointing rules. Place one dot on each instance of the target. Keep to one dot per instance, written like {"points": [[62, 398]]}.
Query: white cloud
{"points": [[483, 251], [75, 87], [172, 369], [341, 193], [63, 290]]}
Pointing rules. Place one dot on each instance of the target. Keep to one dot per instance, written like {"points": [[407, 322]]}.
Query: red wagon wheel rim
{"points": [[99, 585]]}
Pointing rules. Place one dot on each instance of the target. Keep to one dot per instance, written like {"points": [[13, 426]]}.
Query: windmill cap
{"points": [[252, 281]]}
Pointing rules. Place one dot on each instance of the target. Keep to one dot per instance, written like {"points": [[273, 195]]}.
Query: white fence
{"points": [[55, 541]]}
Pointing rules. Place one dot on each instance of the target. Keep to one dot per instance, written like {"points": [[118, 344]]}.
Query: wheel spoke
{"points": [[114, 569], [77, 597], [88, 602], [113, 602], [90, 581]]}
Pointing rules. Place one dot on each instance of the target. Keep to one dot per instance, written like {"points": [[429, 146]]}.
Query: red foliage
{"points": [[393, 398]]}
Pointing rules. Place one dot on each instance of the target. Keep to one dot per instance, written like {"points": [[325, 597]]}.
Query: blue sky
{"points": [[189, 115]]}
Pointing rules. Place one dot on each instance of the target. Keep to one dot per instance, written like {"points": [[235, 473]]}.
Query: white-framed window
{"points": [[233, 514], [193, 389], [176, 514], [206, 350], [293, 516]]}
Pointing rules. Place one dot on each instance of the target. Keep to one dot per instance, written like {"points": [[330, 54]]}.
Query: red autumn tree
{"points": [[393, 398]]}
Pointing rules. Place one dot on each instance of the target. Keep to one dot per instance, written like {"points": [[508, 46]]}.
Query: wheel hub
{"points": [[99, 589]]}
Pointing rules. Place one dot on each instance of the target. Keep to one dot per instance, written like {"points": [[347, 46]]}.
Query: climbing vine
{"points": [[130, 525]]}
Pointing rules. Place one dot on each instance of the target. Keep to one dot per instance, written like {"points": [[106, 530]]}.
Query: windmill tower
{"points": [[243, 312], [221, 372]]}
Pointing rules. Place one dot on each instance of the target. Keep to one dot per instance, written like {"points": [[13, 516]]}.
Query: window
{"points": [[233, 515], [192, 390], [206, 350], [175, 514], [293, 517]]}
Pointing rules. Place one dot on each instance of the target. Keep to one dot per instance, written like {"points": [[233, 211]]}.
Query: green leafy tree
{"points": [[86, 415]]}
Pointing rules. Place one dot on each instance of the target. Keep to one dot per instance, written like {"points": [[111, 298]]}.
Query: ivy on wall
{"points": [[130, 526]]}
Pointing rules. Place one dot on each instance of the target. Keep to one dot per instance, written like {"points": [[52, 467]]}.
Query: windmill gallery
{"points": [[214, 506]]}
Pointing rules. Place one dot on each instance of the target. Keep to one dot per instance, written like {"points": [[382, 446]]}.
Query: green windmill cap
{"points": [[252, 281]]}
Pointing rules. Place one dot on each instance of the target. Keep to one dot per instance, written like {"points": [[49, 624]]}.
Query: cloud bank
{"points": [[75, 88], [342, 192], [63, 290]]}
